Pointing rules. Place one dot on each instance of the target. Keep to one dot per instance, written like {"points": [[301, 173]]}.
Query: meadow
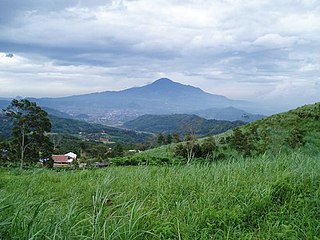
{"points": [[263, 197]]}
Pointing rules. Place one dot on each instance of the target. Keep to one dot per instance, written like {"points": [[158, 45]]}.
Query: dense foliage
{"points": [[29, 141], [181, 124], [71, 126]]}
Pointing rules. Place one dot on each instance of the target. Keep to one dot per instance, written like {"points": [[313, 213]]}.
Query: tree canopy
{"points": [[30, 125]]}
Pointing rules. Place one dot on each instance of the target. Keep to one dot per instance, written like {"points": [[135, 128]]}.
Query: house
{"points": [[71, 155], [64, 160]]}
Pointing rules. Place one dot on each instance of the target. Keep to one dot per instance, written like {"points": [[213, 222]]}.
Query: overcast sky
{"points": [[263, 50]]}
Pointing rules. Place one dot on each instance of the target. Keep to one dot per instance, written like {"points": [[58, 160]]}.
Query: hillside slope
{"points": [[280, 127], [74, 127], [297, 130], [180, 123]]}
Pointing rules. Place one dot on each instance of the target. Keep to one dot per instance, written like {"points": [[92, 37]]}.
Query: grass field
{"points": [[259, 198]]}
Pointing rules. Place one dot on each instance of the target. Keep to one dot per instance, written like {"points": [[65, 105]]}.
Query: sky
{"points": [[266, 51]]}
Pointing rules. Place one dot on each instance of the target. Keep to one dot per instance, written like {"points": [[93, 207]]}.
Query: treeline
{"points": [[252, 143], [181, 124], [279, 133], [74, 127], [87, 151], [30, 140], [71, 126]]}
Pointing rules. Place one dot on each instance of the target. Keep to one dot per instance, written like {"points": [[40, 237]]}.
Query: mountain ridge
{"points": [[163, 96], [181, 124]]}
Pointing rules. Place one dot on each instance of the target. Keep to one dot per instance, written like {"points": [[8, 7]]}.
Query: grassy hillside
{"points": [[180, 123], [274, 134], [279, 127], [263, 198]]}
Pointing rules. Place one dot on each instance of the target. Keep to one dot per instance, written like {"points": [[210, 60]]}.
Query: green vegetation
{"points": [[94, 131], [298, 128], [181, 124], [288, 132], [259, 181], [25, 135], [91, 131], [28, 138], [261, 198]]}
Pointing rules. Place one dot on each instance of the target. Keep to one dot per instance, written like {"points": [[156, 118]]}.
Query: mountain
{"points": [[180, 123], [57, 113], [163, 96], [228, 113]]}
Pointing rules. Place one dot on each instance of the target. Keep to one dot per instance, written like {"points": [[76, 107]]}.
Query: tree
{"points": [[240, 141], [176, 137], [296, 137], [30, 125], [117, 151], [56, 140], [180, 150], [190, 144], [4, 151], [160, 139], [208, 147], [265, 141], [168, 138]]}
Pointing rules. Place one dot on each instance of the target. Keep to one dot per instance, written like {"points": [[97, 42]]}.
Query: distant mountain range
{"points": [[180, 123], [163, 96], [228, 113]]}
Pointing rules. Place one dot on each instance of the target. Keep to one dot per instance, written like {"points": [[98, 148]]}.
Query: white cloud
{"points": [[243, 49], [274, 40]]}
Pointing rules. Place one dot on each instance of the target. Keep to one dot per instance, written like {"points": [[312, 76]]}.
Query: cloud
{"points": [[243, 49], [274, 40]]}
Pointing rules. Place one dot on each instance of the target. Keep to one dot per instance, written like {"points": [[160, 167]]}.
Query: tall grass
{"points": [[258, 198]]}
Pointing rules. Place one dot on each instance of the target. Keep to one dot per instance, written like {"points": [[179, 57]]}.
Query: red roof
{"points": [[60, 158]]}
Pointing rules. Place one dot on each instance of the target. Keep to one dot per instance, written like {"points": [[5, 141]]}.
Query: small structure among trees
{"points": [[64, 160]]}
